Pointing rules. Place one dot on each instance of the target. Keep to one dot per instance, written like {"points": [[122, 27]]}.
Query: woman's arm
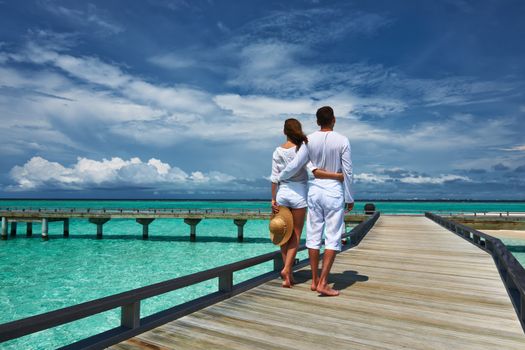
{"points": [[274, 178], [274, 196], [323, 174]]}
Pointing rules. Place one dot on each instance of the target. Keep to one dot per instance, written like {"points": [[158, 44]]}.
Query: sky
{"points": [[187, 99]]}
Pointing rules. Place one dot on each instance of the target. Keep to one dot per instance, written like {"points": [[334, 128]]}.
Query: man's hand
{"points": [[275, 206], [349, 207]]}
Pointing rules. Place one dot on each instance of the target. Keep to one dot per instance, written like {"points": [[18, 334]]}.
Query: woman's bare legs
{"points": [[292, 245], [284, 250]]}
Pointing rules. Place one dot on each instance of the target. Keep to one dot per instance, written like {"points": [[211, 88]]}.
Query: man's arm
{"points": [[301, 158], [346, 162]]}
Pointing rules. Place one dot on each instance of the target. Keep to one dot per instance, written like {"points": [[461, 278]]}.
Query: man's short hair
{"points": [[325, 116]]}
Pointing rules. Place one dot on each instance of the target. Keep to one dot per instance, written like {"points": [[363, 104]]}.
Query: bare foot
{"points": [[287, 283], [313, 287], [327, 291]]}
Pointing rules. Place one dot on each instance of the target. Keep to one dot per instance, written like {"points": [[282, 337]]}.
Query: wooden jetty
{"points": [[492, 221], [409, 284], [192, 217]]}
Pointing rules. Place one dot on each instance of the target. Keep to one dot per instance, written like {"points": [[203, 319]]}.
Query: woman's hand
{"points": [[323, 174], [275, 206]]}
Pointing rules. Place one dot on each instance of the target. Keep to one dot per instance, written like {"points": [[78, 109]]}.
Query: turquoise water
{"points": [[38, 276]]}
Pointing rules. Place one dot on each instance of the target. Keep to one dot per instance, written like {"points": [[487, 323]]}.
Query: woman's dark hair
{"points": [[325, 116], [294, 131]]}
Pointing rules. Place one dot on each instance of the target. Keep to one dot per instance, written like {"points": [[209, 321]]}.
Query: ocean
{"points": [[39, 276]]}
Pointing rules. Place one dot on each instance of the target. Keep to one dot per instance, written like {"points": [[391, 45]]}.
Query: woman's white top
{"points": [[281, 158]]}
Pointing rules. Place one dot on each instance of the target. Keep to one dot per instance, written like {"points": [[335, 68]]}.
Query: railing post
{"points": [[130, 315], [226, 282], [278, 262], [522, 308]]}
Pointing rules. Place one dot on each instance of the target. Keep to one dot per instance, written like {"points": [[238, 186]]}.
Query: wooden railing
{"points": [[511, 271], [129, 302], [66, 210]]}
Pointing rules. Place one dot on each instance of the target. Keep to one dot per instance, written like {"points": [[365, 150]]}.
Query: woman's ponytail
{"points": [[294, 131]]}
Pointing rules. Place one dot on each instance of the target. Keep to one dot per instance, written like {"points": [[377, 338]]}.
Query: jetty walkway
{"points": [[409, 284], [192, 217]]}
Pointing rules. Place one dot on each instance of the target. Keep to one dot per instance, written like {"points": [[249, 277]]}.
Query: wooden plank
{"points": [[409, 284]]}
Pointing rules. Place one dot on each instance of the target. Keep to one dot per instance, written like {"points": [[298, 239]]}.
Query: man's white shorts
{"points": [[325, 212], [292, 194]]}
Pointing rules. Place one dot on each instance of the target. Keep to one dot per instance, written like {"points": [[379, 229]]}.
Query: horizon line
{"points": [[259, 199]]}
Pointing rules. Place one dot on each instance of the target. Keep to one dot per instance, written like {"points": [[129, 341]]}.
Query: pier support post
{"points": [[45, 228], [66, 227], [4, 228], [99, 222], [240, 228], [13, 228], [193, 227], [29, 229], [145, 226]]}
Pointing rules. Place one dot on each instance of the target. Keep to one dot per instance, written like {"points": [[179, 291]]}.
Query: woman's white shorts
{"points": [[292, 194]]}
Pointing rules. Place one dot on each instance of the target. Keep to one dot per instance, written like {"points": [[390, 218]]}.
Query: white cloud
{"points": [[311, 26], [261, 106], [419, 179], [39, 173], [370, 178], [274, 67], [407, 177], [172, 61], [91, 70], [520, 148], [92, 18], [223, 28], [162, 168]]}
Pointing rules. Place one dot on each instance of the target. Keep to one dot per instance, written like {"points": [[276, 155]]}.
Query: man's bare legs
{"points": [[313, 254], [322, 285], [291, 246]]}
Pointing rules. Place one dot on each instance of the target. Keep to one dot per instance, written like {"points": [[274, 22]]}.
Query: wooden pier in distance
{"points": [[409, 284], [192, 217], [492, 221]]}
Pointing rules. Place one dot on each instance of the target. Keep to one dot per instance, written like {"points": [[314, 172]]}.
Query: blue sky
{"points": [[186, 99]]}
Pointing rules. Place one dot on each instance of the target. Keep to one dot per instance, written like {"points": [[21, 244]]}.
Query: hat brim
{"points": [[286, 215]]}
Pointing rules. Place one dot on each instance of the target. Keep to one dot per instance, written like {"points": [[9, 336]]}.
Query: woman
{"points": [[292, 193]]}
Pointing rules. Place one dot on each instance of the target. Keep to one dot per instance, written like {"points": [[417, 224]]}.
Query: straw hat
{"points": [[281, 226]]}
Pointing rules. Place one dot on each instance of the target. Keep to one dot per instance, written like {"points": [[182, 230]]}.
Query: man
{"points": [[328, 150]]}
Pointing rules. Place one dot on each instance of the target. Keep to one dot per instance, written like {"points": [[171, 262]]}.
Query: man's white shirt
{"points": [[327, 150]]}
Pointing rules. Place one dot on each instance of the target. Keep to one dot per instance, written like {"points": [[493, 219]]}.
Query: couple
{"points": [[326, 154]]}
